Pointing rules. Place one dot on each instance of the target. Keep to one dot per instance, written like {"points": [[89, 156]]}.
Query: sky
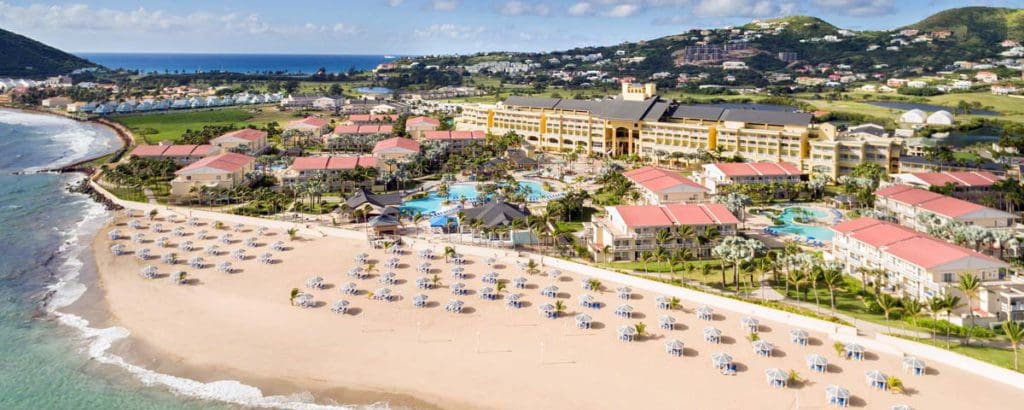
{"points": [[416, 27]]}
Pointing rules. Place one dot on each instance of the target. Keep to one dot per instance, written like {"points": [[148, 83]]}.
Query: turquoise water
{"points": [[820, 233], [236, 63], [433, 202]]}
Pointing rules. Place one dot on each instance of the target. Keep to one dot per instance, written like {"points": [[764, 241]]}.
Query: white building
{"points": [[941, 117], [914, 116]]}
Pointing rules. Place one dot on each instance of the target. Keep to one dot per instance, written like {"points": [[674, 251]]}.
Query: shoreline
{"points": [[123, 134], [382, 333]]}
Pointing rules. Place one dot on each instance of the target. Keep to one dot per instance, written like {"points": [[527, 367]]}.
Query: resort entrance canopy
{"points": [[441, 221]]}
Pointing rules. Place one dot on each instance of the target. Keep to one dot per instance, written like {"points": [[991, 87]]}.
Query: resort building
{"points": [[246, 140], [363, 119], [743, 173], [221, 171], [374, 204], [310, 127], [967, 185], [416, 126], [907, 203], [497, 214], [330, 168], [181, 154], [638, 122], [837, 154], [455, 139], [915, 264], [354, 137], [1001, 301], [661, 186], [629, 231], [397, 148]]}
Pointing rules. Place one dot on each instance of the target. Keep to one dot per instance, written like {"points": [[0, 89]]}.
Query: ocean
{"points": [[238, 63]]}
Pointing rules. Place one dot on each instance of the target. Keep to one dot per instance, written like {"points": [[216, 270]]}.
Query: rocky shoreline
{"points": [[82, 186]]}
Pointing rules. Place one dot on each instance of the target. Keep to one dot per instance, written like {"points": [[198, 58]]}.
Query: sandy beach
{"points": [[242, 326]]}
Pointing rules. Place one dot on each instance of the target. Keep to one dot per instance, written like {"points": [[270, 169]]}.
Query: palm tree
{"points": [[435, 281], [935, 306], [705, 271], [641, 329], [889, 305], [913, 309], [796, 277], [500, 286], [449, 252], [532, 267], [1015, 334], [292, 233], [969, 285], [559, 308], [293, 295], [814, 277], [645, 257], [594, 285], [416, 221], [949, 304], [605, 251], [674, 303], [832, 278]]}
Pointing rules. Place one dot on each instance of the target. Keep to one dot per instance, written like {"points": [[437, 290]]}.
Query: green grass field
{"points": [[154, 128], [996, 356]]}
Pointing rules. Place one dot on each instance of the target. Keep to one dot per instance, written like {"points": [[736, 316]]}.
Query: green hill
{"points": [[805, 26], [977, 24], [25, 57]]}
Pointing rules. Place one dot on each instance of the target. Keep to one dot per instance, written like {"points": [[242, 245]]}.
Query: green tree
{"points": [[1015, 334], [969, 285]]}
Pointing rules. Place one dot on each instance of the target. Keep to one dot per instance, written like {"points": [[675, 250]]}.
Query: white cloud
{"points": [[518, 8], [743, 8], [449, 31], [444, 5], [857, 7], [622, 10], [581, 9]]}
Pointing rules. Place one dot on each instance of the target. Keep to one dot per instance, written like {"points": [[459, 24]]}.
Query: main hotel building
{"points": [[639, 122]]}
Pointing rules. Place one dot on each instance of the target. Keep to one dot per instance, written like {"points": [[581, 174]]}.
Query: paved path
{"points": [[150, 196]]}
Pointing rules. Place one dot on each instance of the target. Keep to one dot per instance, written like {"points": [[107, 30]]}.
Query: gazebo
{"points": [[492, 278], [550, 291], [837, 396], [384, 225], [713, 335], [349, 288], [627, 333], [854, 351], [588, 301], [513, 301], [340, 307], [454, 306], [519, 282], [625, 292], [763, 348], [548, 310], [750, 324], [705, 312], [458, 288], [914, 365], [583, 321], [776, 377], [721, 361], [876, 379], [667, 322], [674, 347], [817, 363], [799, 336], [625, 311], [488, 293], [419, 300]]}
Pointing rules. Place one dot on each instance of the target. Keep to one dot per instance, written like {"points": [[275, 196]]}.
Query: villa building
{"points": [[660, 186], [1001, 301], [330, 167], [906, 203], [247, 140], [629, 231], [967, 185], [397, 148], [416, 126], [181, 154], [837, 154], [455, 139], [222, 171], [335, 141], [742, 173], [638, 122], [363, 119], [915, 264], [309, 127]]}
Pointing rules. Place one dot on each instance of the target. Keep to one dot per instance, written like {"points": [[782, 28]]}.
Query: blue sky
{"points": [[415, 26]]}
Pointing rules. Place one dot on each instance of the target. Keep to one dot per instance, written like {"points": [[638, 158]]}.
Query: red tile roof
{"points": [[149, 150], [964, 178], [747, 169], [372, 117], [180, 150], [912, 246], [677, 214], [453, 135], [423, 120], [228, 162], [311, 121], [325, 163], [657, 179], [248, 134], [930, 201], [397, 142], [363, 129]]}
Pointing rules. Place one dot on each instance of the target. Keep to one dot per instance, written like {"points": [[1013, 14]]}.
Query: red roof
{"points": [[363, 129], [311, 121], [749, 169], [171, 150], [325, 163], [929, 201], [372, 117], [397, 142], [912, 246], [149, 150], [678, 214], [228, 161], [248, 134], [423, 120], [657, 179], [180, 150], [963, 178], [454, 135]]}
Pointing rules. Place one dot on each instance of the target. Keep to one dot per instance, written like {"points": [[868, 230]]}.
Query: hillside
{"points": [[977, 24], [25, 57]]}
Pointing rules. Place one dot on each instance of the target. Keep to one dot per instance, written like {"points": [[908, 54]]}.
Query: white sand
{"points": [[486, 357]]}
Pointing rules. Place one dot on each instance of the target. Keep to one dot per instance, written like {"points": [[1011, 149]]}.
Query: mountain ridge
{"points": [[25, 57]]}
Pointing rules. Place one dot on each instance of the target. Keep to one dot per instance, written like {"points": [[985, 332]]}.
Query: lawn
{"points": [[156, 127], [996, 356]]}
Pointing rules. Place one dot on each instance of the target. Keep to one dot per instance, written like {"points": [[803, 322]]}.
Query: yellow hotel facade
{"points": [[639, 122]]}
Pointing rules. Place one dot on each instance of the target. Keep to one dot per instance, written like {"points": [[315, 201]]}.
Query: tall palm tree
{"points": [[814, 275], [935, 307], [832, 279], [705, 271], [1015, 334], [949, 304], [294, 294], [970, 286], [645, 257], [796, 277], [889, 304]]}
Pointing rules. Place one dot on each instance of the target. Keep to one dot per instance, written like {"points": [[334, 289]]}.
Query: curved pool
{"points": [[789, 226], [433, 202]]}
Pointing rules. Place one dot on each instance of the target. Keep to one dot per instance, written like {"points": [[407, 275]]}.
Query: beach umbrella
{"points": [[914, 365], [278, 246], [213, 250], [625, 292], [142, 253], [225, 238], [720, 360], [491, 261], [420, 300], [875, 378], [202, 235], [224, 267], [266, 257], [854, 350], [157, 228], [667, 322], [238, 227], [458, 288], [674, 347], [625, 311], [114, 234], [901, 407], [554, 273], [149, 272], [490, 277], [185, 246], [138, 238], [762, 347], [161, 241], [583, 321], [547, 309], [315, 282], [454, 305], [750, 324], [837, 395], [117, 249], [356, 272], [303, 299], [423, 282], [196, 262], [349, 288], [238, 254], [626, 333], [513, 301], [261, 231], [169, 258], [586, 300], [550, 291], [388, 277], [817, 362], [193, 222], [179, 231], [340, 307], [705, 312], [776, 377], [712, 334], [798, 336], [251, 242], [382, 294]]}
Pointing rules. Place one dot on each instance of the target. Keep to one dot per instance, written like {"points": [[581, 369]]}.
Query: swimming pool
{"points": [[433, 202], [789, 226]]}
